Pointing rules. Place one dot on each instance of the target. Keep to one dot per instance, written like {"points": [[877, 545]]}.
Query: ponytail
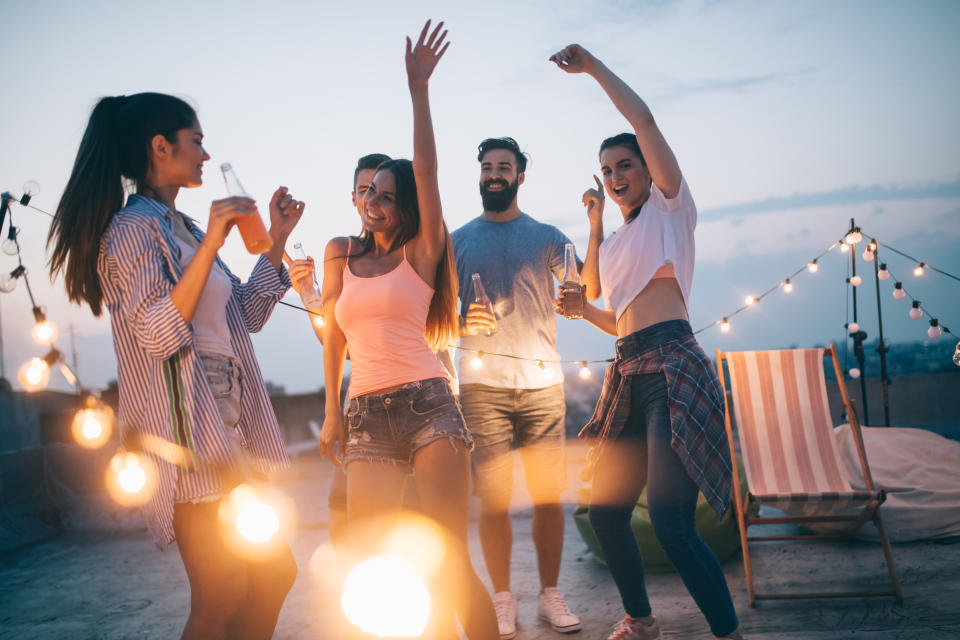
{"points": [[115, 146]]}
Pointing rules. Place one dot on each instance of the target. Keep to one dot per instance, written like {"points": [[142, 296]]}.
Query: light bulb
{"points": [[317, 320], [8, 282], [935, 330], [31, 188], [867, 255], [544, 369], [898, 292], [854, 236], [93, 425], [476, 361], [45, 332], [34, 374], [9, 245], [844, 247], [585, 370], [725, 325], [915, 312], [856, 281], [854, 372], [787, 285], [749, 300], [918, 270], [131, 478], [883, 274], [813, 267], [853, 327]]}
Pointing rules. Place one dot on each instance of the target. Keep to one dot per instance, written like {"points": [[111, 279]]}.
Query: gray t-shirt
{"points": [[517, 262]]}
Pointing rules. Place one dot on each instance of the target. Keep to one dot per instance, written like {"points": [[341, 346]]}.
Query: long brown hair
{"points": [[115, 146], [443, 326]]}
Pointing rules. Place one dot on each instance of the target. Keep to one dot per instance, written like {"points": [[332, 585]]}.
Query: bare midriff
{"points": [[661, 300]]}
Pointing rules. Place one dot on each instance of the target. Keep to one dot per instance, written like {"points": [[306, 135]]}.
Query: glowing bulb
{"points": [[544, 369], [131, 478], [750, 300], [856, 281], [844, 247], [898, 292], [584, 370], [813, 267], [867, 255], [8, 282], [317, 320], [93, 425], [853, 327], [915, 312], [34, 374], [787, 286], [45, 332], [854, 372], [854, 236], [918, 270], [254, 519], [725, 326], [935, 330], [882, 273], [385, 596], [477, 360]]}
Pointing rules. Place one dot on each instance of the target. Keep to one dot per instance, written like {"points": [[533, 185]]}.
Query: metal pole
{"points": [[860, 335], [882, 347]]}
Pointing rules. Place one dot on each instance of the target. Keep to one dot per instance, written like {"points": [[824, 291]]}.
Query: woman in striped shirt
{"points": [[180, 322]]}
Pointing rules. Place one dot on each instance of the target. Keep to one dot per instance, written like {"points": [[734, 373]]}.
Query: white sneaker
{"points": [[505, 606], [553, 608]]}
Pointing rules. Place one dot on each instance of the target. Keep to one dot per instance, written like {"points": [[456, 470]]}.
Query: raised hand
{"points": [[593, 200], [301, 274], [422, 59], [574, 59], [285, 213]]}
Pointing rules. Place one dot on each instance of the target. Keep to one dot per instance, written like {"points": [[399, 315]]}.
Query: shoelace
{"points": [[624, 629], [501, 609], [556, 601]]}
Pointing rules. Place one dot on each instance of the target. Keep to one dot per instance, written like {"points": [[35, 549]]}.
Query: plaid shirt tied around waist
{"points": [[695, 399]]}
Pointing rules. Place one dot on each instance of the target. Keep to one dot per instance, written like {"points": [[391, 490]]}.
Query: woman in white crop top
{"points": [[659, 422], [391, 297]]}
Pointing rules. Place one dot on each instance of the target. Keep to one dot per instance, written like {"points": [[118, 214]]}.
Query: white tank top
{"points": [[210, 330], [662, 233]]}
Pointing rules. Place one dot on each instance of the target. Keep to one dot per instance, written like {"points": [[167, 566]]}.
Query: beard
{"points": [[498, 201]]}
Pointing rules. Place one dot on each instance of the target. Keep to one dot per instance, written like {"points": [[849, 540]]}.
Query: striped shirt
{"points": [[162, 384]]}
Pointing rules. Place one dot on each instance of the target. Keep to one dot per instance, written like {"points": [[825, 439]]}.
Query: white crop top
{"points": [[662, 233]]}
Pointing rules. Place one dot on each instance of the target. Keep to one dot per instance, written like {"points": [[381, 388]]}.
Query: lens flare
{"points": [[131, 478], [318, 321], [386, 596]]}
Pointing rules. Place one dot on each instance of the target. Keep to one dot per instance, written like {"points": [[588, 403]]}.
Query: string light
{"points": [[787, 286], [44, 331], [935, 330], [34, 374], [318, 321], [844, 247], [898, 292], [854, 237], [93, 425], [854, 372], [477, 360], [853, 327], [10, 246], [585, 370], [883, 274], [725, 325], [8, 282], [813, 267], [131, 478], [867, 255], [855, 280], [915, 312], [918, 270], [750, 300]]}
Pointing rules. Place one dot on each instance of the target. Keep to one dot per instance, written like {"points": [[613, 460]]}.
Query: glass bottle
{"points": [[572, 291], [309, 289], [480, 297], [251, 228]]}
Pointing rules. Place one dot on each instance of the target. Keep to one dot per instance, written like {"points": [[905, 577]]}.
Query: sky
{"points": [[788, 119]]}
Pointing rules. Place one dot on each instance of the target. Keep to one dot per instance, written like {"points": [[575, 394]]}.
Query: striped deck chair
{"points": [[786, 442]]}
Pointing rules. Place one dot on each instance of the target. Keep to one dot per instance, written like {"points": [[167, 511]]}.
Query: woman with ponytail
{"points": [[180, 319], [392, 298]]}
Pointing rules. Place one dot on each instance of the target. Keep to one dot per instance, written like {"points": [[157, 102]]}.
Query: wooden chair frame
{"points": [[870, 511]]}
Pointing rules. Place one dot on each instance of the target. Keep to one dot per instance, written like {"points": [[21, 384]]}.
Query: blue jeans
{"points": [[642, 456]]}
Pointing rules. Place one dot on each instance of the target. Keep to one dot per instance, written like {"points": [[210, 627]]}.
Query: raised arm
{"points": [[590, 273], [421, 61], [663, 165]]}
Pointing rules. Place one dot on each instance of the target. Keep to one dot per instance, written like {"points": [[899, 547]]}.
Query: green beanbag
{"points": [[722, 536]]}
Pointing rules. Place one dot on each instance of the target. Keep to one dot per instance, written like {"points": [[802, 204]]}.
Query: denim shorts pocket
{"points": [[428, 403], [353, 416], [221, 383]]}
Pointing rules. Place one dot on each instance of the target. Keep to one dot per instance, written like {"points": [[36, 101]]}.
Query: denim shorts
{"points": [[392, 426], [530, 419]]}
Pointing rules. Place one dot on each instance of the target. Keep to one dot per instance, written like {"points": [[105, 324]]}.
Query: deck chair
{"points": [[787, 446]]}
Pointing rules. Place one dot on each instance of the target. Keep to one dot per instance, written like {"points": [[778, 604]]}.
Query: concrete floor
{"points": [[97, 586]]}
